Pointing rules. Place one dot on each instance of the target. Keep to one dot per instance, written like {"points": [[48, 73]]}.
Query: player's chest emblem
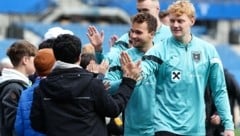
{"points": [[176, 76], [196, 56]]}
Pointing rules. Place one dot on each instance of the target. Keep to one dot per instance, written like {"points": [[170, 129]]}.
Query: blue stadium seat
{"points": [[205, 9], [79, 30], [27, 7], [230, 60], [4, 45]]}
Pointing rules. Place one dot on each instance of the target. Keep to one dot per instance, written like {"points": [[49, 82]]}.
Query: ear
{"points": [[193, 20], [25, 60], [152, 34]]}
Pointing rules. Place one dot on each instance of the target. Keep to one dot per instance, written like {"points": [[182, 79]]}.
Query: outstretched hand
{"points": [[98, 68], [95, 37], [92, 67], [228, 133], [129, 68], [103, 67], [112, 40]]}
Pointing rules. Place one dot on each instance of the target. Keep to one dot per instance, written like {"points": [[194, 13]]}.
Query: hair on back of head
{"points": [[86, 58], [44, 61], [19, 49], [150, 20], [67, 48], [181, 7], [46, 44]]}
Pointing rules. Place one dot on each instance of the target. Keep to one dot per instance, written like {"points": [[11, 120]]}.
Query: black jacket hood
{"points": [[65, 84]]}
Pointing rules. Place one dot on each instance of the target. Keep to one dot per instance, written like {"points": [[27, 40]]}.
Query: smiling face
{"points": [[140, 35], [182, 18], [181, 25], [142, 31]]}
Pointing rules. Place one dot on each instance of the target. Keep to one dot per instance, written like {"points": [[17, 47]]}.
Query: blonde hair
{"points": [[88, 48], [181, 7]]}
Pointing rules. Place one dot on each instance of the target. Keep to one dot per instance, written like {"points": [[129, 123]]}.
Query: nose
{"points": [[174, 23], [133, 34]]}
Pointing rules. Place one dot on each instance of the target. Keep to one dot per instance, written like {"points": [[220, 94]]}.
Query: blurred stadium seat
{"points": [[79, 30], [25, 7], [230, 60], [4, 44], [210, 10], [205, 9]]}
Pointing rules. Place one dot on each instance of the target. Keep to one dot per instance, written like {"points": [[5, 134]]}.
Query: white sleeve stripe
{"points": [[215, 60]]}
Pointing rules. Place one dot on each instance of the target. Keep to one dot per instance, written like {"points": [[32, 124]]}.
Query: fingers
{"points": [[138, 63], [103, 67], [112, 40], [125, 58], [92, 62], [213, 116], [102, 34], [105, 63], [92, 30], [106, 85], [92, 66], [215, 119]]}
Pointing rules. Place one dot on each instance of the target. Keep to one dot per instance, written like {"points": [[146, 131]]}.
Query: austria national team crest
{"points": [[196, 56], [176, 76]]}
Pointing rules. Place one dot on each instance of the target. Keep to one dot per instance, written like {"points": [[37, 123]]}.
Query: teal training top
{"points": [[139, 113], [122, 44], [182, 72]]}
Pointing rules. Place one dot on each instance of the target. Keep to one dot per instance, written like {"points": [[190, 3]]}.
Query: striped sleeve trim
{"points": [[122, 43], [152, 58], [115, 68]]}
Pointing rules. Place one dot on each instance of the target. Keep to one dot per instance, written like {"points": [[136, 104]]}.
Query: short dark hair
{"points": [[148, 18], [46, 44], [86, 58], [163, 14], [67, 48]]}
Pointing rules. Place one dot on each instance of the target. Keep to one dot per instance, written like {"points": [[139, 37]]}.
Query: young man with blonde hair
{"points": [[183, 65]]}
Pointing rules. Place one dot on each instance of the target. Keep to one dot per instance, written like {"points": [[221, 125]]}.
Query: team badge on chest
{"points": [[176, 76], [196, 56]]}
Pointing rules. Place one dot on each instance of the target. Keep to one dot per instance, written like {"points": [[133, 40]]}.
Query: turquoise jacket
{"points": [[139, 113], [182, 72], [122, 44]]}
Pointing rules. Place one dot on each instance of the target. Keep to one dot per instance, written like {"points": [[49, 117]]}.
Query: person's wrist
{"points": [[134, 77], [98, 48]]}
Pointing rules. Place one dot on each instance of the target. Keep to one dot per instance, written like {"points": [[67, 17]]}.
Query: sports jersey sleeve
{"points": [[151, 62], [219, 92], [120, 45], [114, 75]]}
